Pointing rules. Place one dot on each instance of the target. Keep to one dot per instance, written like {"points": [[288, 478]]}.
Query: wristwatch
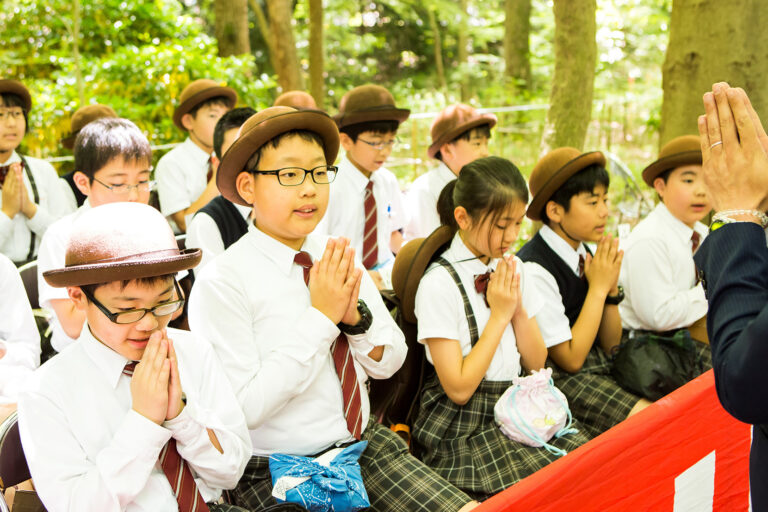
{"points": [[615, 300], [366, 319]]}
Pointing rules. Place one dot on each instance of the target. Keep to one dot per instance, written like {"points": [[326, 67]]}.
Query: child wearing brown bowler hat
{"points": [[658, 274], [133, 416], [186, 175], [582, 324], [459, 136], [366, 203], [298, 325]]}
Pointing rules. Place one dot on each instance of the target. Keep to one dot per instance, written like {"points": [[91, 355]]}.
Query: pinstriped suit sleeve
{"points": [[734, 263]]}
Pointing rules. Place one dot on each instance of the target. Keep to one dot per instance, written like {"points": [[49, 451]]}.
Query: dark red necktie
{"points": [[3, 173], [481, 285], [370, 232], [210, 170], [177, 471], [581, 266], [345, 366], [695, 241]]}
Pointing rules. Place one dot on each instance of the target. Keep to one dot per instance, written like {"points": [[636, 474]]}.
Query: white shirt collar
{"points": [[676, 225], [562, 248], [12, 159], [195, 151], [459, 253], [279, 253], [109, 362], [444, 172], [354, 175]]}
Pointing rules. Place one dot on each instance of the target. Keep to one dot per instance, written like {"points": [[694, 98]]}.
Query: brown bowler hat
{"points": [[410, 264], [683, 150], [82, 117], [552, 171], [296, 99], [17, 88], [261, 128], [367, 103], [119, 242], [453, 121], [197, 92]]}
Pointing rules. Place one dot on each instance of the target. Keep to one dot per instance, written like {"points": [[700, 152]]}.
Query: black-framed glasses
{"points": [[124, 188], [134, 315], [380, 145], [11, 113], [295, 176]]}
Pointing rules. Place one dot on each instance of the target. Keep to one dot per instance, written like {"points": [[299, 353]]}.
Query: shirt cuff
{"points": [[40, 221], [361, 343], [142, 436], [184, 427], [312, 325]]}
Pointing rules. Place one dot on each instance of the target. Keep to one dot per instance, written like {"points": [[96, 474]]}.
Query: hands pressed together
{"points": [[602, 270], [334, 283], [155, 386], [503, 292], [15, 195]]}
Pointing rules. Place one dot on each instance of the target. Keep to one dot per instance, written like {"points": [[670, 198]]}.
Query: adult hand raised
{"points": [[734, 149]]}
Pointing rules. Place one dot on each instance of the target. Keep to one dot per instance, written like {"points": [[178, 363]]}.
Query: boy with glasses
{"points": [[132, 417], [366, 204], [32, 196], [113, 164]]}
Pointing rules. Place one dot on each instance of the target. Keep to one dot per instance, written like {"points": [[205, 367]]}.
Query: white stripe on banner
{"points": [[695, 487]]}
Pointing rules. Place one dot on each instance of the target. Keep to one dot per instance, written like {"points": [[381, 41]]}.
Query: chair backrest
{"points": [[181, 240], [28, 273], [13, 465]]}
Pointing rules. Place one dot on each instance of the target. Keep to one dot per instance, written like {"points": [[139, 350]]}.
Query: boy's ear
{"points": [[462, 218], [346, 141], [446, 151], [187, 120], [245, 185], [78, 297], [82, 182], [555, 212], [660, 186]]}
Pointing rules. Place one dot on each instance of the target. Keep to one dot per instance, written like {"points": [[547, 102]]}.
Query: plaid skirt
{"points": [[465, 445], [394, 480]]}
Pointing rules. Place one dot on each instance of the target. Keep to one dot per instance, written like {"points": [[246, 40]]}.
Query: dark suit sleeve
{"points": [[734, 264]]}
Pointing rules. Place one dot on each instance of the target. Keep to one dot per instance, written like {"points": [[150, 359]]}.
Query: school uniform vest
{"points": [[228, 219], [573, 289]]}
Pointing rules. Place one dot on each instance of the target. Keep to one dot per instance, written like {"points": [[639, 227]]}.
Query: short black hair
{"points": [[14, 100], [103, 140], [216, 100], [479, 131], [141, 281], [377, 127], [306, 135], [583, 181], [232, 119]]}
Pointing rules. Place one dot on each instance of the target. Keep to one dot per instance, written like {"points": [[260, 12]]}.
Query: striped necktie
{"points": [[177, 471], [695, 241], [344, 364], [370, 233], [3, 173]]}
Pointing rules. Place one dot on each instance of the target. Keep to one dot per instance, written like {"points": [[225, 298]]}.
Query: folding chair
{"points": [[28, 273], [13, 465]]}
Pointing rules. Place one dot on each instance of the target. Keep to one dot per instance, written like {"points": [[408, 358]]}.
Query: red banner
{"points": [[683, 453]]}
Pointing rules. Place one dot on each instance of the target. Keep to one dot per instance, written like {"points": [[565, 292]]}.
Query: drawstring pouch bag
{"points": [[330, 482], [533, 411]]}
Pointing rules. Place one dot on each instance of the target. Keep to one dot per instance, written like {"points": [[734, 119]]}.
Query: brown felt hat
{"points": [[453, 121], [552, 171], [261, 128], [197, 92], [17, 88], [367, 103], [296, 99], [410, 264], [119, 242], [82, 117], [683, 150]]}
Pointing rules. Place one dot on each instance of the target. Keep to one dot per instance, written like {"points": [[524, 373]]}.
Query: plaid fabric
{"points": [[465, 446], [225, 507], [394, 479], [703, 356]]}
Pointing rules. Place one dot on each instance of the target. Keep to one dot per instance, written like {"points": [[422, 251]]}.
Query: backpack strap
{"points": [[473, 335]]}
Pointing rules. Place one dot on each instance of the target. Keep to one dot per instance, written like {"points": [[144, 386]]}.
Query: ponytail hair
{"points": [[485, 187]]}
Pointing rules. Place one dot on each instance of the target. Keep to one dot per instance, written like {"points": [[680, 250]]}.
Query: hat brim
{"points": [[411, 263], [17, 88], [559, 178], [69, 141], [367, 116], [200, 97], [471, 124], [234, 160], [107, 272], [661, 165]]}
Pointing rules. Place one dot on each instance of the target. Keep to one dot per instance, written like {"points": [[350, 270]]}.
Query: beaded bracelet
{"points": [[724, 217]]}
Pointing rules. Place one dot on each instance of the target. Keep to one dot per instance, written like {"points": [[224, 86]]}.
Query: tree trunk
{"points": [[231, 27], [463, 53], [287, 62], [266, 33], [438, 49], [570, 103], [517, 28], [316, 52], [76, 51], [712, 41]]}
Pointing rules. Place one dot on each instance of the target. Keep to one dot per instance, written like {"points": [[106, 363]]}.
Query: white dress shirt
{"points": [[554, 325], [181, 177], [659, 276], [252, 304], [346, 209], [18, 333], [422, 201], [89, 451], [439, 308], [203, 233], [16, 233], [51, 255]]}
